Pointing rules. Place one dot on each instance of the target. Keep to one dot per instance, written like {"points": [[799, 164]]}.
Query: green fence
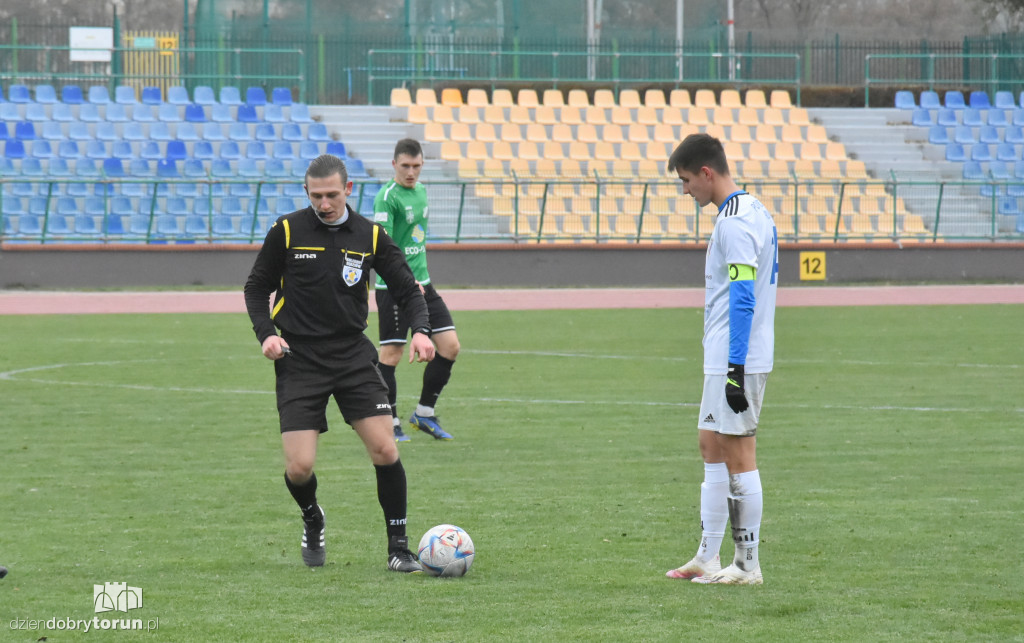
{"points": [[519, 211], [989, 72]]}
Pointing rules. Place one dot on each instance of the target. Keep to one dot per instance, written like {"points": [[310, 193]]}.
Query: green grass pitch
{"points": [[144, 449]]}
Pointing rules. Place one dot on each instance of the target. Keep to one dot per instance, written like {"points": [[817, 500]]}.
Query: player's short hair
{"points": [[697, 151], [326, 165], [409, 147]]}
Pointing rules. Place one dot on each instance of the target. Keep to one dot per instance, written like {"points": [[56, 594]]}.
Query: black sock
{"points": [[388, 373], [435, 376], [391, 492], [305, 495]]}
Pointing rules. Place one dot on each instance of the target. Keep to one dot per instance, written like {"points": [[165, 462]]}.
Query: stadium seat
{"points": [[955, 153], [187, 132], [168, 112], [71, 95], [124, 95], [947, 117], [999, 171], [283, 150], [954, 99], [152, 96], [68, 150], [122, 150], [979, 100], [116, 113], [89, 113], [195, 113], [308, 150], [36, 112], [256, 150], [274, 113], [255, 97], [266, 132], [230, 150], [1013, 134], [905, 99], [239, 132], [142, 113], [167, 169], [292, 132], [203, 151], [106, 131], [19, 93], [1009, 206], [337, 148], [972, 171], [989, 134], [997, 118], [203, 95], [281, 96], [212, 132], [1004, 100], [921, 117], [134, 132], [63, 113], [299, 113], [42, 149], [151, 151], [52, 131], [45, 94], [177, 95], [160, 131], [981, 152], [176, 150], [400, 97], [318, 132], [98, 95], [14, 149], [247, 114], [356, 169], [930, 100], [9, 112], [113, 168], [964, 134], [972, 117], [229, 95]]}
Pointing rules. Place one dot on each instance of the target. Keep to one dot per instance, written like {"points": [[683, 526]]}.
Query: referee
{"points": [[316, 261]]}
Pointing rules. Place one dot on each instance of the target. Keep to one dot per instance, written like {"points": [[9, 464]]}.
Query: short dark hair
{"points": [[409, 147], [697, 151], [326, 165]]}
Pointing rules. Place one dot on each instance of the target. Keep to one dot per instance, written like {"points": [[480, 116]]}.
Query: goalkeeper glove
{"points": [[734, 393]]}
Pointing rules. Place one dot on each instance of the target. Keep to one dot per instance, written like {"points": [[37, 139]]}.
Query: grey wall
{"points": [[512, 266]]}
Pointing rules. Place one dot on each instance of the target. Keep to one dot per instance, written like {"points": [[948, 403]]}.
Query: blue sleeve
{"points": [[741, 314]]}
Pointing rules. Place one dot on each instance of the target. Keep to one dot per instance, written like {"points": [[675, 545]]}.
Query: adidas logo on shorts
{"points": [[710, 419]]}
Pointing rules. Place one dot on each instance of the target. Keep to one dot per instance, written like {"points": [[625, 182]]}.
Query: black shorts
{"points": [[393, 325], [312, 373]]}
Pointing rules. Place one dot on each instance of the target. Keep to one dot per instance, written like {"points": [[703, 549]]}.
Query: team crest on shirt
{"points": [[351, 275]]}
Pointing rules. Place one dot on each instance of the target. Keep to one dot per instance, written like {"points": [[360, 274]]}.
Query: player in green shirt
{"points": [[401, 208]]}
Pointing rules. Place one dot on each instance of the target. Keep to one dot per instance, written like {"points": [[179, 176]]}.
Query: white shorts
{"points": [[715, 414]]}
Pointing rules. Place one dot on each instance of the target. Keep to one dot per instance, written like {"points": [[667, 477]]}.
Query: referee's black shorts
{"points": [[393, 325], [313, 372]]}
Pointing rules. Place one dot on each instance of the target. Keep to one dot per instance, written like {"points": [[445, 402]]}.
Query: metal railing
{"points": [[610, 69], [986, 71], [518, 210]]}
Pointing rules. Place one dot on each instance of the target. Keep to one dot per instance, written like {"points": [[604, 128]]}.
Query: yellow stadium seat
{"points": [[528, 150], [418, 114], [612, 133], [502, 150], [553, 151], [659, 152], [705, 98], [730, 98], [625, 226], [803, 168], [527, 98], [753, 170], [664, 134], [604, 98], [778, 169], [816, 134], [654, 98], [780, 98], [400, 97], [570, 115], [595, 115], [495, 114], [650, 226], [679, 98], [538, 133], [715, 130], [630, 151], [740, 134], [638, 133], [451, 151], [585, 132], [759, 151], [476, 97], [502, 98], [791, 134], [627, 98], [493, 168], [485, 132], [469, 114], [773, 117], [673, 116], [579, 150], [576, 224], [577, 98], [477, 150], [697, 116], [570, 168], [679, 225], [798, 116], [519, 115], [733, 150], [553, 98], [835, 151], [510, 132], [468, 168], [912, 224], [621, 116], [748, 116], [829, 169], [459, 132], [809, 151], [784, 152], [434, 132], [451, 96], [755, 98], [442, 114], [647, 116], [722, 116], [604, 151], [425, 96]]}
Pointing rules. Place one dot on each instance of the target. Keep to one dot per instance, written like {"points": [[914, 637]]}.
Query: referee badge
{"points": [[351, 275]]}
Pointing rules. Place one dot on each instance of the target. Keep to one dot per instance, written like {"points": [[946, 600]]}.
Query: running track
{"points": [[14, 302]]}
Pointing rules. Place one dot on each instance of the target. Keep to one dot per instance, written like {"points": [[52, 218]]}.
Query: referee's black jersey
{"points": [[320, 274]]}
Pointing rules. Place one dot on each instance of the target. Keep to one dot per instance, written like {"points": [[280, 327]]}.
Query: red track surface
{"points": [[14, 302]]}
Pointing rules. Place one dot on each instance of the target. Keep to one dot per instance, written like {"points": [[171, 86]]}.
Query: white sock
{"points": [[424, 411], [745, 507], [714, 509]]}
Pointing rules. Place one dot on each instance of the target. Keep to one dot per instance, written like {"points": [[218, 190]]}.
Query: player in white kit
{"points": [[741, 278]]}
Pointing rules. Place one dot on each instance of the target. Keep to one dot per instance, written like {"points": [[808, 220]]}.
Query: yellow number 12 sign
{"points": [[812, 266]]}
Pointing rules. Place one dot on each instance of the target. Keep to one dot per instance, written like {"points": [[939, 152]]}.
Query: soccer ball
{"points": [[446, 550]]}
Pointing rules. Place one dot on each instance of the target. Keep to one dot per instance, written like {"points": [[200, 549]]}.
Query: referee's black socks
{"points": [[435, 376], [391, 493], [305, 495]]}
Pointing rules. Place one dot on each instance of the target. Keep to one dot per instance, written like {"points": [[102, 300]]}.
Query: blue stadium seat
{"points": [[308, 150], [905, 99], [981, 152], [124, 95], [19, 93], [1017, 116], [116, 113], [14, 149], [1008, 206], [38, 205], [152, 96], [292, 132], [62, 113], [159, 131], [203, 150], [25, 131], [1013, 134], [203, 95], [87, 168], [176, 151], [36, 112], [151, 151], [98, 95], [972, 171], [52, 131], [249, 168], [22, 189], [177, 206], [964, 134], [266, 132], [9, 112], [979, 100], [955, 153], [57, 226], [95, 149], [299, 113], [231, 206], [318, 132], [195, 113], [113, 168], [30, 225], [7, 167], [71, 95], [46, 94], [999, 171], [274, 114], [283, 150], [284, 205], [221, 114], [239, 132], [177, 95], [122, 150], [230, 151], [89, 113], [954, 99], [255, 96], [193, 169], [247, 114], [187, 132], [972, 117], [140, 168], [989, 134], [241, 190], [337, 148], [4, 134], [256, 150], [224, 226], [230, 96], [13, 205], [106, 131], [134, 132], [930, 100], [356, 169], [997, 118], [42, 149], [946, 117], [58, 168], [168, 112], [143, 113], [79, 131], [167, 169], [213, 132], [1004, 100], [921, 117], [95, 206], [196, 226], [281, 96]]}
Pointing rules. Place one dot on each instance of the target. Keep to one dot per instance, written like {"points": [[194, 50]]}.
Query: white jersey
{"points": [[744, 234]]}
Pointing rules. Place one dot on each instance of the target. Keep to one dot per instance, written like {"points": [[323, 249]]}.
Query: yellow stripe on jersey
{"points": [[742, 272], [277, 308], [287, 234], [376, 229]]}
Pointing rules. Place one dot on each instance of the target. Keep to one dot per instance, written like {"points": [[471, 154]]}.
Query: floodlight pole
{"points": [[731, 27], [679, 36]]}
